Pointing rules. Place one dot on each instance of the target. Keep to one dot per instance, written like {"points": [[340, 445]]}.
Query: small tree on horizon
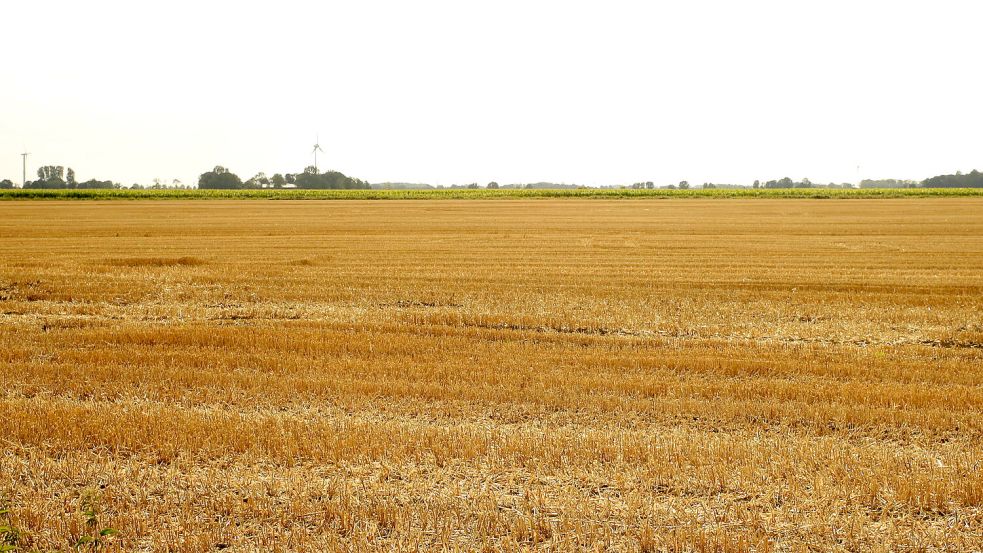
{"points": [[219, 177]]}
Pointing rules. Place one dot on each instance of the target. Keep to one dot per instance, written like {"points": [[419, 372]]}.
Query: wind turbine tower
{"points": [[23, 177], [317, 148]]}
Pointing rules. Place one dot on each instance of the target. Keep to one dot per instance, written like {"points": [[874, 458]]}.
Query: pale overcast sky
{"points": [[514, 91]]}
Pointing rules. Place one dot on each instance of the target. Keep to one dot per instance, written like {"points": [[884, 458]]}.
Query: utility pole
{"points": [[23, 180]]}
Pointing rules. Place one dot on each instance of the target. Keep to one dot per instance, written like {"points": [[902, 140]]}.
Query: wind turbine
{"points": [[317, 148], [24, 168]]}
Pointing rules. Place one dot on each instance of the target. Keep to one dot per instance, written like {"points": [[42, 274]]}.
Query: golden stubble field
{"points": [[706, 375]]}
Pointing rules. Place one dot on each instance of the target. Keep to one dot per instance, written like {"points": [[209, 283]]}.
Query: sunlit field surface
{"points": [[618, 375]]}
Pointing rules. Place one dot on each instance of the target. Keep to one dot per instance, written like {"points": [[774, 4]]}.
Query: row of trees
{"points": [[222, 178], [780, 183], [973, 179], [56, 176], [804, 183], [888, 183]]}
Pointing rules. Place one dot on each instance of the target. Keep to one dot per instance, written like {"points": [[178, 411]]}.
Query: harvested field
{"points": [[551, 374]]}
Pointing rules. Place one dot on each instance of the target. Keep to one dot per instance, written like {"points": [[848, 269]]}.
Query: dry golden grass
{"points": [[687, 375]]}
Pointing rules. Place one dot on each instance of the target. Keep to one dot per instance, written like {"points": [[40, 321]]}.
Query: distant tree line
{"points": [[310, 178], [539, 186], [222, 178], [973, 179], [888, 183], [332, 179], [56, 176], [159, 184], [787, 182], [401, 186]]}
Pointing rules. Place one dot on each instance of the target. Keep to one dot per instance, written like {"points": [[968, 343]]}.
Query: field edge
{"points": [[484, 194]]}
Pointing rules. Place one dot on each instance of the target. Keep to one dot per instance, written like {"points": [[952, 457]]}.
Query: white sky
{"points": [[593, 93]]}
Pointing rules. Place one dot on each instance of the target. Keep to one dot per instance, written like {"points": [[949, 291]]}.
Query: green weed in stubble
{"points": [[9, 534], [93, 538]]}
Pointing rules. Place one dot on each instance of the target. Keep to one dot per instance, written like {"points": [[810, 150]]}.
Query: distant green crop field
{"points": [[467, 194]]}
